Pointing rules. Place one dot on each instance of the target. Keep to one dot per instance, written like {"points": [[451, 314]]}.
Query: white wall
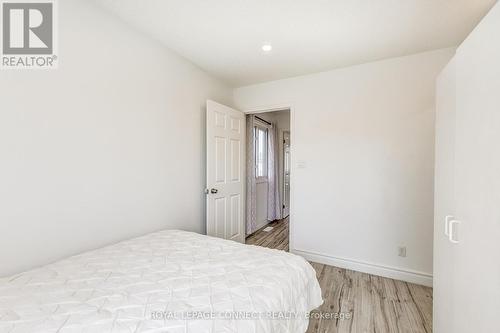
{"points": [[107, 147], [365, 135]]}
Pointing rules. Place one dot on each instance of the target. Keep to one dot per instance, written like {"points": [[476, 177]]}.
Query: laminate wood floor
{"points": [[274, 239], [362, 302]]}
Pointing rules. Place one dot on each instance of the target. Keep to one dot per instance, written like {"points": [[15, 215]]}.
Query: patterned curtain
{"points": [[251, 204], [273, 191]]}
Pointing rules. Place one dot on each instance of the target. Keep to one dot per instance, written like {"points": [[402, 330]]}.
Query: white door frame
{"points": [[281, 107]]}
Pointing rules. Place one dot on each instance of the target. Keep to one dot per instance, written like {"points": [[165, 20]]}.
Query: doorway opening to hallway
{"points": [[268, 179]]}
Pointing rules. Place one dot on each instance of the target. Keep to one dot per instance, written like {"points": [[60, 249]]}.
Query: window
{"points": [[261, 153]]}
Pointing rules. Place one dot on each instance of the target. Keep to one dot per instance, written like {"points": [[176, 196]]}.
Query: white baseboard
{"points": [[375, 269]]}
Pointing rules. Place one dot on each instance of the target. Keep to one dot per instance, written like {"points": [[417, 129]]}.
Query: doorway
{"points": [[268, 179]]}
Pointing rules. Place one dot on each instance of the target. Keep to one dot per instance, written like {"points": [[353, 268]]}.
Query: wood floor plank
{"points": [[385, 319], [422, 297], [333, 284], [369, 303], [347, 301]]}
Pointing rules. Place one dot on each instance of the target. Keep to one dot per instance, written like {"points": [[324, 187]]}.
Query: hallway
{"points": [[274, 239]]}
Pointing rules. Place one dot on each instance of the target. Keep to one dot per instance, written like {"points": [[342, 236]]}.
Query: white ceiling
{"points": [[224, 37]]}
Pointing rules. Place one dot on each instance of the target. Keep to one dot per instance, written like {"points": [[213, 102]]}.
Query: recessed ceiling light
{"points": [[267, 47]]}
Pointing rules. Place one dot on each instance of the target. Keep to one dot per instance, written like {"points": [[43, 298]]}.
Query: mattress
{"points": [[168, 281]]}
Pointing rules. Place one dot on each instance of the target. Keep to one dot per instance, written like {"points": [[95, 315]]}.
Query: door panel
{"points": [[220, 160], [220, 217], [444, 253], [225, 172], [220, 120], [477, 180], [236, 124], [236, 207], [467, 271], [236, 157]]}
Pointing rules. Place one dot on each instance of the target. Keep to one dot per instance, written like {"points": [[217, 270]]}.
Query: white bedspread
{"points": [[159, 283]]}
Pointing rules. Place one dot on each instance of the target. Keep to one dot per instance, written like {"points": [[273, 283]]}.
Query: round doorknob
{"points": [[214, 191]]}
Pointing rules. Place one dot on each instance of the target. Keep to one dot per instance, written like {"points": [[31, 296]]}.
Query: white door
{"points": [[477, 180], [225, 172], [445, 255]]}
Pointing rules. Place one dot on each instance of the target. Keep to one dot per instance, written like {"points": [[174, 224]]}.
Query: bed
{"points": [[168, 281]]}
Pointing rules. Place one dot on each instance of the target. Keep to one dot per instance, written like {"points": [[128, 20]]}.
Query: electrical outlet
{"points": [[402, 251]]}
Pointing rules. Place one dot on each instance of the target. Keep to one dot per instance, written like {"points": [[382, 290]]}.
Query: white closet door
{"points": [[444, 207], [477, 179]]}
